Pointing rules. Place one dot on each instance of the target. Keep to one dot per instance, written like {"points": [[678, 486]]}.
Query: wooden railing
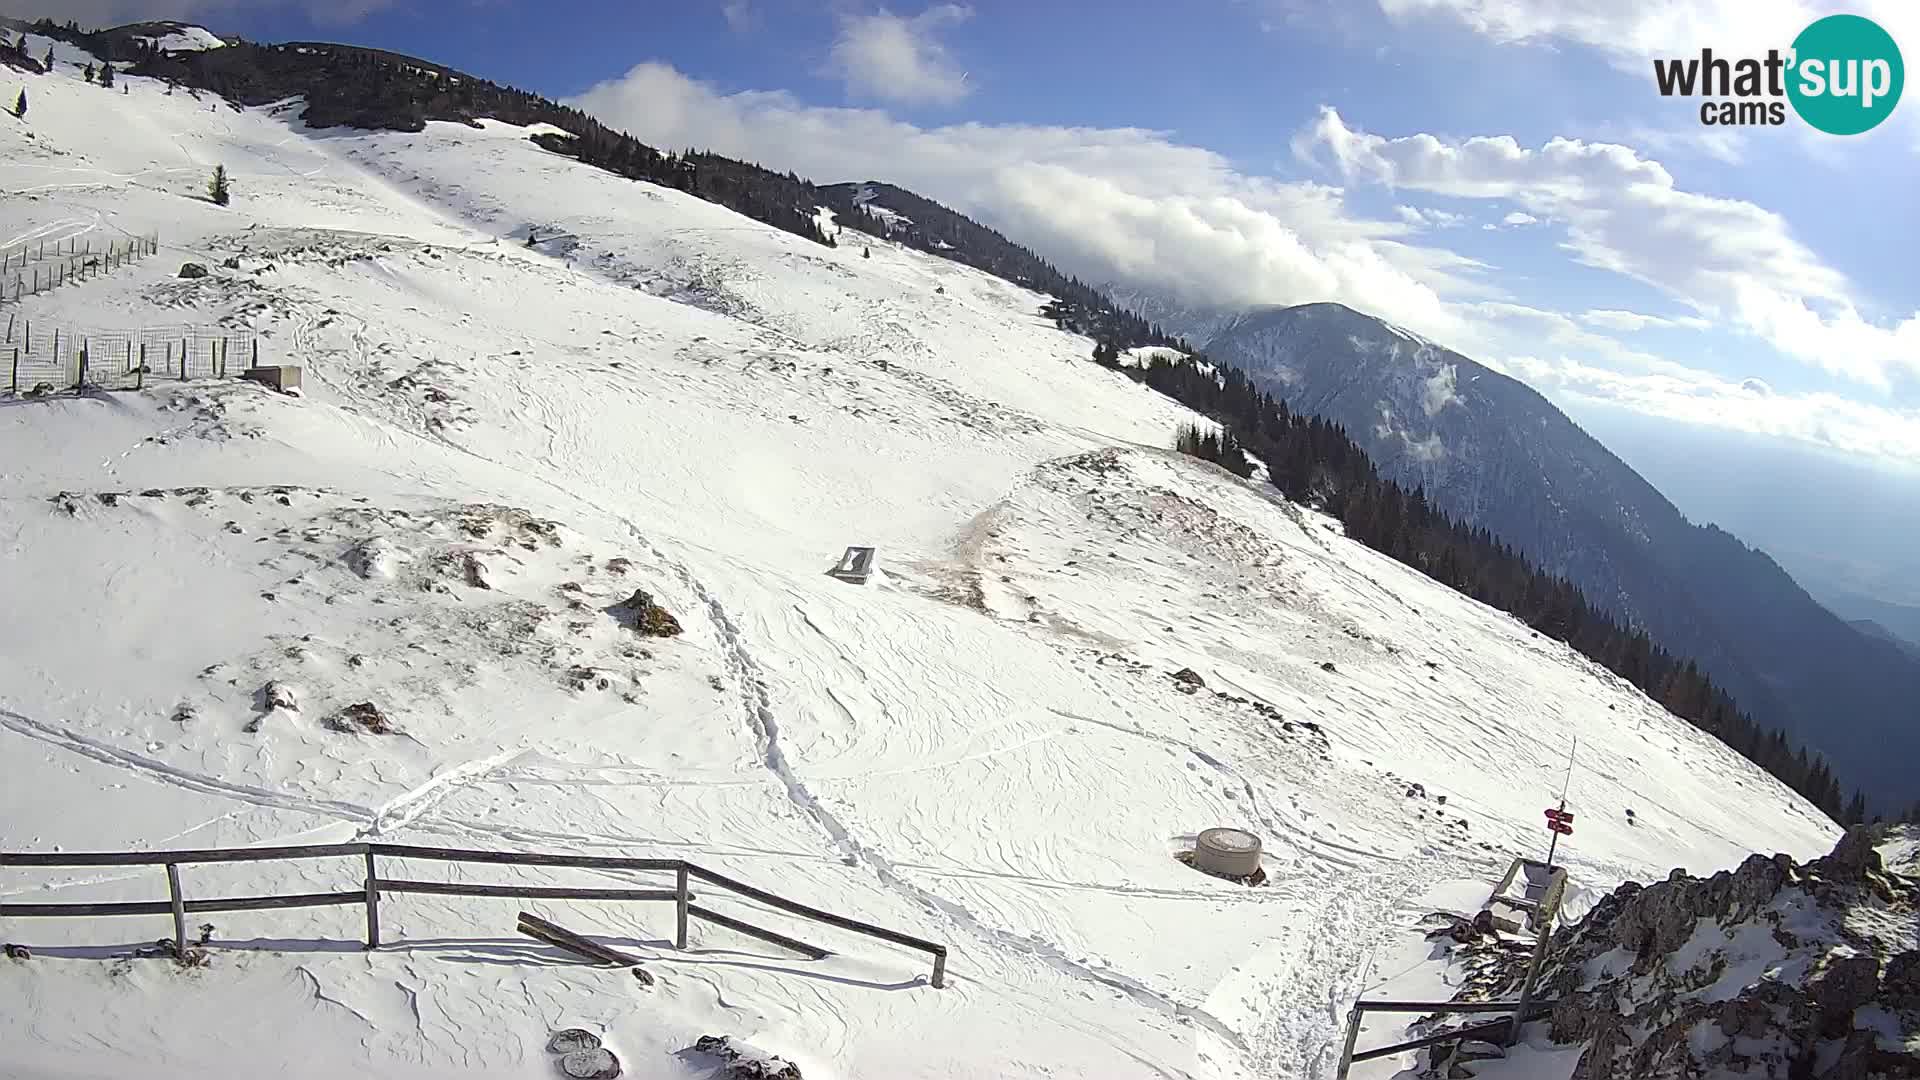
{"points": [[374, 886]]}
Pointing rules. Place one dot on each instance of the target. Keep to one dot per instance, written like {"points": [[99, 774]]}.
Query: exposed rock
{"points": [[743, 1062], [647, 617], [192, 270], [595, 1064], [356, 719], [279, 695], [572, 1040], [1772, 970], [1189, 676]]}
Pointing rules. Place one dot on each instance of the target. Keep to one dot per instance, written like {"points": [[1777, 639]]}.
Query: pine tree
{"points": [[20, 106], [49, 61], [106, 76], [866, 253], [87, 72], [218, 188], [1856, 810]]}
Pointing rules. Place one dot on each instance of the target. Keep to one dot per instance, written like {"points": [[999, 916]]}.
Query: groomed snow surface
{"points": [[982, 746]]}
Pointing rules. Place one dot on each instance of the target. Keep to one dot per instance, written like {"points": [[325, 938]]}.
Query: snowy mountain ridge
{"points": [[1492, 452], [501, 442]]}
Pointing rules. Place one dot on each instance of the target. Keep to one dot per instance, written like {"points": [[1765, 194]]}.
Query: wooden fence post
{"points": [[16, 371], [179, 912], [256, 352], [373, 904], [680, 906], [83, 364]]}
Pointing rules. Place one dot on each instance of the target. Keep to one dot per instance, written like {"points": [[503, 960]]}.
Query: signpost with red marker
{"points": [[1559, 822]]}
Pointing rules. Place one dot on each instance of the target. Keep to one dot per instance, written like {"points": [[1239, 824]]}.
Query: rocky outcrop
{"points": [[646, 617], [1775, 969], [741, 1061]]}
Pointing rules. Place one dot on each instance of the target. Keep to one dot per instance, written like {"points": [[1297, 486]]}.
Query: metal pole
{"points": [[939, 970], [680, 906], [1544, 931], [140, 373], [1353, 1035], [16, 372], [373, 905], [179, 912]]}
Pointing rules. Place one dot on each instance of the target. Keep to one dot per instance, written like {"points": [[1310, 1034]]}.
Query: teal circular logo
{"points": [[1846, 74]]}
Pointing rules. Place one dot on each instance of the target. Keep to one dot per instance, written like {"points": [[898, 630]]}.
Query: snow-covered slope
{"points": [[983, 745]]}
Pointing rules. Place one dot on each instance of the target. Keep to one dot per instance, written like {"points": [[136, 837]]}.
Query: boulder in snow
{"points": [[645, 616], [743, 1061], [192, 270]]}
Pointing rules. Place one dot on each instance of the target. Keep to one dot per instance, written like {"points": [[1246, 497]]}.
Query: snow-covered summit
{"points": [[986, 745], [180, 37]]}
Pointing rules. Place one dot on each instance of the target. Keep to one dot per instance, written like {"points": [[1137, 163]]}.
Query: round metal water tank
{"points": [[1227, 852]]}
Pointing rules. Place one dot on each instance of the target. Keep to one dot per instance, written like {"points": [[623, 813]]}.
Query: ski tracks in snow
{"points": [[161, 772]]}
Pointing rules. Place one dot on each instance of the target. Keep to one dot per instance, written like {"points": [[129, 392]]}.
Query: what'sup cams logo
{"points": [[1843, 75]]}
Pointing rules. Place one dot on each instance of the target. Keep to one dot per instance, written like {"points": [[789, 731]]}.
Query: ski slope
{"points": [[984, 745]]}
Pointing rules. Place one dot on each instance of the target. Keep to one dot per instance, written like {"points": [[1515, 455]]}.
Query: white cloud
{"points": [[1750, 405], [1106, 203], [1726, 145], [1612, 319], [1519, 217], [890, 57], [1424, 217], [1632, 31], [740, 16], [1727, 259]]}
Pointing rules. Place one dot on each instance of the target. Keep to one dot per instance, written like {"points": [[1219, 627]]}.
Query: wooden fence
{"points": [[36, 268], [374, 887]]}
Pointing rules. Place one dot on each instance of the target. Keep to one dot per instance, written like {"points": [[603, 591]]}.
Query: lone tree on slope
{"points": [[20, 106], [87, 72], [218, 189], [106, 76]]}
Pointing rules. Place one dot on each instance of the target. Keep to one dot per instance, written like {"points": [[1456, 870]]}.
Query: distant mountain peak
{"points": [[1497, 454]]}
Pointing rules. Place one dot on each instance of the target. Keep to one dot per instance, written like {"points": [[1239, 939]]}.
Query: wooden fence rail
{"points": [[374, 886]]}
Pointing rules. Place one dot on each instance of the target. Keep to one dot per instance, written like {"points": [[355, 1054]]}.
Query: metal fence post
{"points": [[140, 373], [83, 364], [179, 912], [373, 904], [1353, 1036], [16, 371], [940, 970], [1533, 973], [680, 905]]}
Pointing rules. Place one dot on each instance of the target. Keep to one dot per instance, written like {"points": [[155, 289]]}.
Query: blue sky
{"points": [[1500, 175]]}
